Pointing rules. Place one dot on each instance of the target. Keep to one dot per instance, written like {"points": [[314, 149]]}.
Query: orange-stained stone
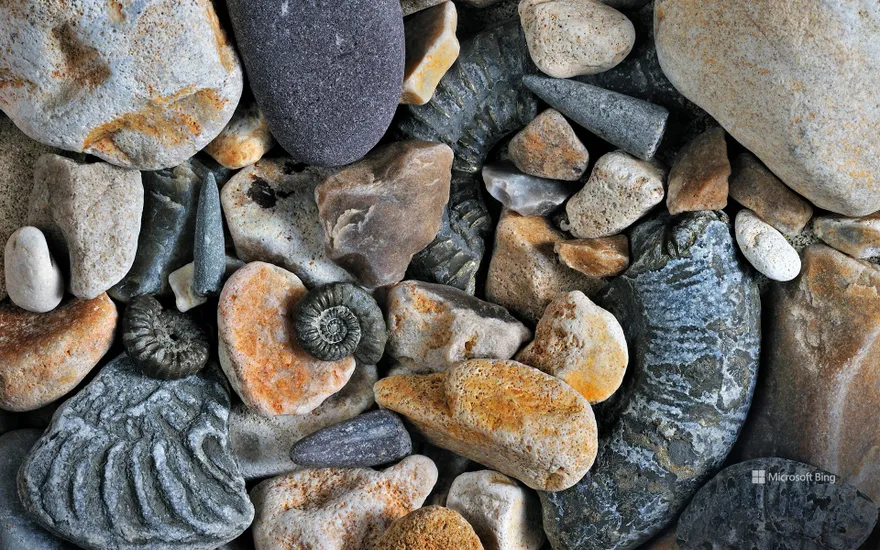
{"points": [[430, 528], [45, 355], [549, 148], [258, 347], [503, 414], [602, 257], [245, 139], [698, 178], [431, 49]]}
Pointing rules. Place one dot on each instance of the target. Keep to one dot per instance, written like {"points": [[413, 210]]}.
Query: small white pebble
{"points": [[765, 247]]}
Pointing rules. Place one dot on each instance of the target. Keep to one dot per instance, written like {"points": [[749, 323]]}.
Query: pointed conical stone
{"points": [[368, 440], [209, 250], [634, 125]]}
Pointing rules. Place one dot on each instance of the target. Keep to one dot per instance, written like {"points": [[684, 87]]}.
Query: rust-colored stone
{"points": [[698, 178], [602, 257], [549, 148], [430, 528]]}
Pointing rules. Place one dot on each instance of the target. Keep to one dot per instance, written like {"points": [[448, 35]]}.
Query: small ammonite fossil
{"points": [[338, 320], [164, 344]]}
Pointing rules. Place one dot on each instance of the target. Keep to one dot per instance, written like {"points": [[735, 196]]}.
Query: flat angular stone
{"points": [[337, 509], [691, 316], [755, 187], [90, 213], [575, 37], [524, 194], [209, 248], [858, 237], [244, 140], [805, 507], [602, 257], [431, 49], [45, 355], [148, 462], [549, 148], [765, 248], [621, 189], [181, 282], [634, 125], [430, 528], [33, 279], [525, 274], [364, 206], [94, 78], [544, 434], [698, 178], [433, 327]]}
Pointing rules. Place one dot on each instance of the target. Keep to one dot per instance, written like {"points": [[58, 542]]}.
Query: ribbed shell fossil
{"points": [[164, 344], [337, 320]]}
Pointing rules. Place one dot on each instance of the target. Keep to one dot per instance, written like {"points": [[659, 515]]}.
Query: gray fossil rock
{"points": [[209, 247], [133, 462], [691, 315]]}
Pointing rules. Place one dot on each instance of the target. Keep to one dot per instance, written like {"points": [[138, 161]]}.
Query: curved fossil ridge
{"points": [[691, 314], [134, 462], [480, 100]]}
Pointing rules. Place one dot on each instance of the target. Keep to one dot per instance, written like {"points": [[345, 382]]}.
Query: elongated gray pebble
{"points": [[209, 249]]}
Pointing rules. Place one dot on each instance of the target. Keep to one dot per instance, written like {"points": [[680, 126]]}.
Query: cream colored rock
{"points": [[506, 415], [549, 148], [180, 281], [504, 515], [431, 49], [569, 38], [33, 279], [858, 237], [581, 344], [766, 248], [244, 140], [337, 509]]}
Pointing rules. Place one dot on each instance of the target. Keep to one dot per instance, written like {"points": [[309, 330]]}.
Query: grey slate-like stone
{"points": [[632, 124], [17, 531], [691, 314], [524, 194], [810, 510], [209, 247], [326, 75], [133, 462], [480, 100], [368, 440]]}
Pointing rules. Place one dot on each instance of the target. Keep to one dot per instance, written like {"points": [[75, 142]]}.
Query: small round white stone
{"points": [[765, 247], [33, 279]]}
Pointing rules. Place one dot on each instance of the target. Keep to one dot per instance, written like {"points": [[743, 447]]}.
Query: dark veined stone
{"points": [[480, 100], [164, 344], [368, 440], [132, 462], [338, 320], [691, 315]]}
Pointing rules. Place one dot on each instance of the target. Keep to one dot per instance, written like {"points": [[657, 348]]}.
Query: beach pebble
{"points": [[858, 237], [602, 257], [755, 187], [96, 78], [431, 49], [33, 279], [92, 213], [549, 148], [430, 528], [503, 514], [330, 89], [698, 177], [364, 206], [524, 194], [432, 327], [525, 274], [337, 509], [620, 190], [581, 344], [543, 434], [45, 355], [766, 248], [272, 217], [258, 348], [368, 440], [244, 140], [575, 37], [181, 282], [209, 248]]}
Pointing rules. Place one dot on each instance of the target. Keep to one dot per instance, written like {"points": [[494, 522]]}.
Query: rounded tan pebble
{"points": [[549, 148], [33, 279], [430, 528], [244, 140], [698, 178], [602, 257]]}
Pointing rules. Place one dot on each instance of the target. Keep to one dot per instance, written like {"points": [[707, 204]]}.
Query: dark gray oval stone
{"points": [[779, 504], [209, 247], [326, 74], [691, 315]]}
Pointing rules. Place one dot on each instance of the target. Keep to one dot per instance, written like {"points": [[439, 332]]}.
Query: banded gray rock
{"points": [[691, 315], [133, 462]]}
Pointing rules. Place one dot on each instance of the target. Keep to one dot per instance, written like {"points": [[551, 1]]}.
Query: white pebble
{"points": [[185, 298], [765, 247], [33, 279]]}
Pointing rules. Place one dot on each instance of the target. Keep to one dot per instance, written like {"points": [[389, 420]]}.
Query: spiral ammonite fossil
{"points": [[338, 320], [164, 344]]}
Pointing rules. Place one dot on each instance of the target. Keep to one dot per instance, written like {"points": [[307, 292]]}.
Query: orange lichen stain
{"points": [[425, 305], [224, 50], [117, 15], [82, 64]]}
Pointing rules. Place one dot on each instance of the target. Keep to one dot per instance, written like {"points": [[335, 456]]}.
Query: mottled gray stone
{"points": [[133, 462], [368, 440], [410, 7], [632, 124], [209, 247], [524, 194], [480, 100], [17, 531], [691, 315], [806, 508]]}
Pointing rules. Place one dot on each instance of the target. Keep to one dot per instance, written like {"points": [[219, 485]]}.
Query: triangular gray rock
{"points": [[209, 249], [368, 440]]}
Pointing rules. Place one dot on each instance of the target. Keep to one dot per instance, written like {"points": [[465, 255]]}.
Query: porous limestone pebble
{"points": [[858, 237], [181, 282], [503, 514], [549, 148], [244, 140], [431, 49], [766, 248], [698, 177], [602, 257], [258, 348], [524, 194], [430, 528], [33, 279]]}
